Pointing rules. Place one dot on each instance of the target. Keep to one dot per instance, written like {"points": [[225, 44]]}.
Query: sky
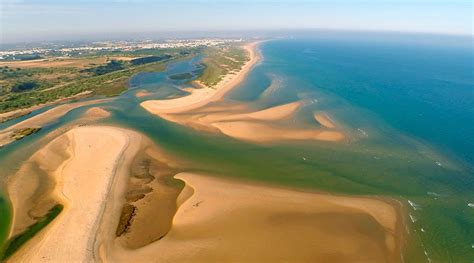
{"points": [[43, 20]]}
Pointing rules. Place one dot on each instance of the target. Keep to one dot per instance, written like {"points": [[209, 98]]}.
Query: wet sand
{"points": [[41, 119], [4, 116], [142, 93], [220, 220], [198, 111], [94, 171], [324, 120]]}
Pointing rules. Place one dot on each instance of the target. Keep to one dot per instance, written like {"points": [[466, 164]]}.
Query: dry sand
{"points": [[82, 183], [204, 95], [218, 220], [227, 221], [199, 111]]}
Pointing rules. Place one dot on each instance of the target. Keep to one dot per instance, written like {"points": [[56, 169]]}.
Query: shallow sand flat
{"points": [[20, 112], [262, 132], [324, 120], [227, 221], [96, 113], [199, 111], [42, 118], [270, 114], [142, 93], [83, 183]]}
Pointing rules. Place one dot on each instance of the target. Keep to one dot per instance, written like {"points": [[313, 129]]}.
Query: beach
{"points": [[204, 95], [81, 180], [90, 170], [199, 110]]}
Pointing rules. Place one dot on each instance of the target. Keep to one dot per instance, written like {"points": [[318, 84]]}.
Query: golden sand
{"points": [[258, 132], [324, 120], [204, 95], [96, 113], [81, 183], [221, 220], [94, 171], [203, 109]]}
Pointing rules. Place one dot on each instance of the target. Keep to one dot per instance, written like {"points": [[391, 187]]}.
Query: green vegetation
{"points": [[57, 78], [22, 133], [22, 57], [112, 66], [16, 242], [4, 221], [220, 61], [25, 86], [150, 59]]}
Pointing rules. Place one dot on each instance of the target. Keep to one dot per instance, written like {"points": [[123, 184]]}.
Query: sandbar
{"points": [[324, 120], [221, 220]]}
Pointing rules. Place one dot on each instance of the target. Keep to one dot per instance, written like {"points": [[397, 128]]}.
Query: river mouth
{"points": [[376, 160]]}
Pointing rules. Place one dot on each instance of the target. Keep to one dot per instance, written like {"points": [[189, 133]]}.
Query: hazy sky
{"points": [[26, 20]]}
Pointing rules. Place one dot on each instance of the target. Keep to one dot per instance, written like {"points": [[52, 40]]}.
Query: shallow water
{"points": [[410, 134]]}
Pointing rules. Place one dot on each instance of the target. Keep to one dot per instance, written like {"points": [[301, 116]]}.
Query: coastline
{"points": [[198, 110], [90, 172], [204, 95], [9, 115], [82, 179], [43, 118]]}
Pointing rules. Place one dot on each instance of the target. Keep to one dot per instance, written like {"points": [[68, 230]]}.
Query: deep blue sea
{"points": [[421, 85]]}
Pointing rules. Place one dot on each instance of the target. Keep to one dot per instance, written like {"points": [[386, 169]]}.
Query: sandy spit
{"points": [[39, 120], [83, 181], [204, 95]]}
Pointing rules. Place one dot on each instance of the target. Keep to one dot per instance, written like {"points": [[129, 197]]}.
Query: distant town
{"points": [[75, 49]]}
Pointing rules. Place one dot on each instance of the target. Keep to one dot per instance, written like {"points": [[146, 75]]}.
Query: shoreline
{"points": [[10, 115], [43, 118], [90, 168], [82, 182], [219, 217], [198, 110], [205, 95]]}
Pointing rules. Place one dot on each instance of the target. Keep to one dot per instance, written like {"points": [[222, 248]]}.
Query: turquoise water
{"points": [[405, 103]]}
